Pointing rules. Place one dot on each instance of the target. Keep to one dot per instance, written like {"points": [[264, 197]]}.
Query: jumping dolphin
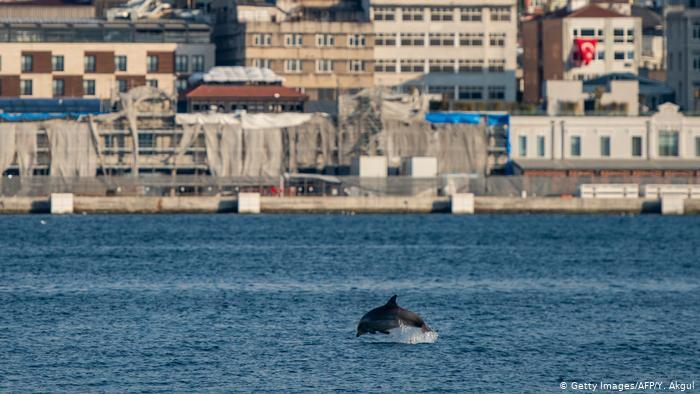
{"points": [[389, 316]]}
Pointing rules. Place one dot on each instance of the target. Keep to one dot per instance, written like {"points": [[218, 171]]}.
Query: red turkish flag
{"points": [[586, 49]]}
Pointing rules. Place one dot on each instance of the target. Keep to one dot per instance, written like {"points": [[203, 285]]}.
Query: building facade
{"points": [[666, 143], [97, 59], [464, 50], [553, 47], [683, 55], [322, 48]]}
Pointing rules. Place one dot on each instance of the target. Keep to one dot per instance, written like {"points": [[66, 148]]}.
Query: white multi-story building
{"points": [[683, 55], [462, 49]]}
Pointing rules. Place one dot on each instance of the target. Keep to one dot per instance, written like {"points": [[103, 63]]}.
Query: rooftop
{"points": [[250, 93], [238, 75], [102, 30]]}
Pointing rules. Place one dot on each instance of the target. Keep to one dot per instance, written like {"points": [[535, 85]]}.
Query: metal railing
{"points": [[317, 185]]}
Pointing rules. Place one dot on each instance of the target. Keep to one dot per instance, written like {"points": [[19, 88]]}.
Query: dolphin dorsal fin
{"points": [[392, 301]]}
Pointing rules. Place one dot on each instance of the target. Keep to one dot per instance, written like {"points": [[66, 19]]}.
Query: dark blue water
{"points": [[231, 303]]}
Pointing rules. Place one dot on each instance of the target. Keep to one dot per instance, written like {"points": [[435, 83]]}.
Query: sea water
{"points": [[215, 303]]}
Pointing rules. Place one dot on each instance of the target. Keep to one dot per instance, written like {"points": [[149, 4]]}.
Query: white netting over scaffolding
{"points": [[378, 122], [146, 135]]}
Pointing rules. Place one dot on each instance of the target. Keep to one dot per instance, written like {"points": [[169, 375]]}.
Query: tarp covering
{"points": [[28, 117], [25, 140], [224, 144], [459, 148], [468, 118], [73, 152], [7, 145]]}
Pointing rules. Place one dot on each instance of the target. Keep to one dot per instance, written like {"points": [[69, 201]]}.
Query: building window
{"points": [[540, 145], [441, 14], [605, 146], [262, 63], [630, 35], [412, 40], [471, 39], [25, 87], [325, 40], [497, 92], [89, 63], [697, 146], [181, 63], [120, 63], [88, 87], [497, 39], [470, 14], [619, 35], [522, 145], [262, 40], [356, 66], [497, 65], [471, 92], [637, 146], [121, 85], [356, 41], [587, 32], [147, 140], [441, 66], [619, 55], [601, 55], [448, 91], [152, 83], [500, 13], [630, 55], [292, 66], [471, 65], [575, 146], [151, 63], [410, 14], [58, 88], [293, 40], [181, 84], [324, 66], [27, 63], [384, 13], [197, 63], [696, 30], [385, 40], [668, 143], [412, 65], [441, 39], [385, 66], [57, 63]]}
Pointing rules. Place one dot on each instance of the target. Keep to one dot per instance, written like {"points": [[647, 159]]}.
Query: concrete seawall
{"points": [[388, 204]]}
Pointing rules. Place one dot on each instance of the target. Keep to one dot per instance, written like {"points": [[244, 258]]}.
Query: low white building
{"points": [[662, 144]]}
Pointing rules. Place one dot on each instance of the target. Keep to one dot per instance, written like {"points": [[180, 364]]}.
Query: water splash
{"points": [[407, 335]]}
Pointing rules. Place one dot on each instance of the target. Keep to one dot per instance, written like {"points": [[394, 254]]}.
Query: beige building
{"points": [[96, 59], [322, 48], [463, 49]]}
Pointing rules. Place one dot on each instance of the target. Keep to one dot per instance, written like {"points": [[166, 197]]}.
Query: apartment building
{"points": [[664, 144], [322, 48], [464, 50], [578, 44], [683, 54], [96, 59]]}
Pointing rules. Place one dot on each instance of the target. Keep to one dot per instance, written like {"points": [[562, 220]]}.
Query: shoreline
{"points": [[341, 205]]}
